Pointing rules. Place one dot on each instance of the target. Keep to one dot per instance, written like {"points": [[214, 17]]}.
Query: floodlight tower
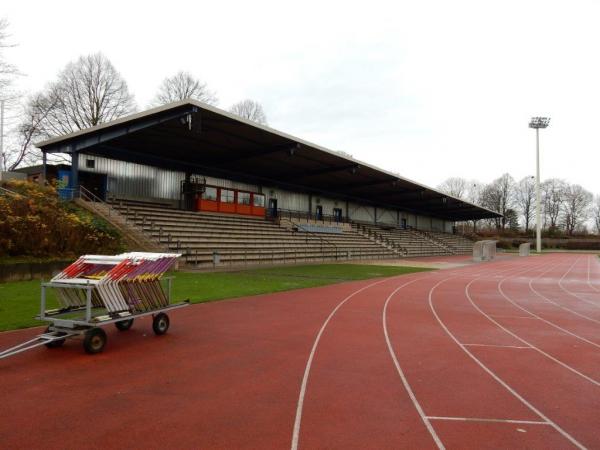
{"points": [[537, 123]]}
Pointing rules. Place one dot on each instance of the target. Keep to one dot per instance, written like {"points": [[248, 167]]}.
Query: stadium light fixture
{"points": [[537, 123]]}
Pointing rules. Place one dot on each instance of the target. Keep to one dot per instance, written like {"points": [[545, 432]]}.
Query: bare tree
{"points": [[251, 110], [499, 196], [455, 186], [524, 199], [553, 191], [596, 213], [8, 97], [577, 203], [183, 85], [33, 114], [7, 70], [474, 189], [88, 92]]}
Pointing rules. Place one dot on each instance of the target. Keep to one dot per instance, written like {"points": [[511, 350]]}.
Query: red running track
{"points": [[492, 355]]}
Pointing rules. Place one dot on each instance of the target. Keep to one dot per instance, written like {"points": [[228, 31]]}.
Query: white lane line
{"points": [[497, 378], [552, 324], [512, 317], [405, 382], [542, 296], [496, 345], [299, 408], [298, 420], [542, 352], [411, 394], [589, 281], [481, 419], [573, 293]]}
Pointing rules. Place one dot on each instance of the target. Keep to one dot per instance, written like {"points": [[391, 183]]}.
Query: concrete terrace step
{"points": [[245, 240]]}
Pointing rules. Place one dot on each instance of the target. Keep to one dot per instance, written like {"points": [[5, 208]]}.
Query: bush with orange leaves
{"points": [[35, 222]]}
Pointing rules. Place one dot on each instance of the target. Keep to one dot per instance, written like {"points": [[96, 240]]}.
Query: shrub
{"points": [[582, 245], [506, 245], [37, 223]]}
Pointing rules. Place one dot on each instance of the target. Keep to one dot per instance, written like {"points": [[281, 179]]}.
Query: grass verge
{"points": [[20, 301]]}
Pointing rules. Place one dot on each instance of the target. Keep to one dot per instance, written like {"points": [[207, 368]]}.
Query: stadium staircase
{"points": [[133, 236], [459, 245], [244, 240], [412, 242]]}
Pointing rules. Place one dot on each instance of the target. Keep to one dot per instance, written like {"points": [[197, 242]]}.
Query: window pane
{"points": [[226, 196], [259, 200], [210, 193], [243, 198]]}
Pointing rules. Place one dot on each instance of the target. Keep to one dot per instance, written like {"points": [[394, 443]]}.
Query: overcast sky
{"points": [[429, 89]]}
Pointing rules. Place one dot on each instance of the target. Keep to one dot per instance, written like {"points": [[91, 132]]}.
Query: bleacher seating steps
{"points": [[246, 240]]}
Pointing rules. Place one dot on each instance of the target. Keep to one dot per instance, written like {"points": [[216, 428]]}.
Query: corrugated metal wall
{"points": [[411, 219], [138, 180], [135, 180], [361, 213], [328, 204], [222, 182], [437, 224], [424, 223], [293, 201], [387, 216]]}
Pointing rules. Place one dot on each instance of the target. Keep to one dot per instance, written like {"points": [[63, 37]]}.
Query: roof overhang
{"points": [[194, 137]]}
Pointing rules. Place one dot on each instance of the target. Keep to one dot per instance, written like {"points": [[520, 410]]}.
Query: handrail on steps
{"points": [[321, 238], [86, 194], [9, 192]]}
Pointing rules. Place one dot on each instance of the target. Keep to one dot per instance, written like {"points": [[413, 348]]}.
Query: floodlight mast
{"points": [[537, 123]]}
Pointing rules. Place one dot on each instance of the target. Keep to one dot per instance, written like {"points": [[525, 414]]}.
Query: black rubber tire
{"points": [[94, 341], [160, 323], [124, 325], [54, 344]]}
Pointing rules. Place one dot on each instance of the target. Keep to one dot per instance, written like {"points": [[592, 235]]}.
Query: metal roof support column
{"points": [[44, 168], [74, 179], [347, 210], [375, 214]]}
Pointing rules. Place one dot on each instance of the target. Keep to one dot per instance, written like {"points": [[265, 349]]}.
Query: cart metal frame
{"points": [[62, 328]]}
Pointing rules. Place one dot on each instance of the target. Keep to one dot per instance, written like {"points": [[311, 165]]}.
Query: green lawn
{"points": [[20, 301]]}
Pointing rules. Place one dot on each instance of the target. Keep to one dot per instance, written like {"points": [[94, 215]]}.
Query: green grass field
{"points": [[20, 301]]}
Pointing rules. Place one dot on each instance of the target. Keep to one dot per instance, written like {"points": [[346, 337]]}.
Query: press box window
{"points": [[243, 198], [227, 196], [210, 194], [259, 200], [90, 163]]}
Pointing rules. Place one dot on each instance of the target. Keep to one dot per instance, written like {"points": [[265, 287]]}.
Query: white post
{"points": [[2, 159], [538, 212]]}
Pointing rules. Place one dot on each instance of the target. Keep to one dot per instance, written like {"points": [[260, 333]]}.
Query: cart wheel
{"points": [[124, 325], [57, 343], [94, 340], [160, 324]]}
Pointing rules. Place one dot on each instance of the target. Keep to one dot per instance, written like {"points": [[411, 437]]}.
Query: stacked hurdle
{"points": [[129, 282]]}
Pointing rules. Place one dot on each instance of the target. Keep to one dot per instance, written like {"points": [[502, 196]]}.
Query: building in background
{"points": [[198, 157]]}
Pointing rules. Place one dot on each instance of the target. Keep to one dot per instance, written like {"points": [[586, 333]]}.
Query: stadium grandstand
{"points": [[226, 191]]}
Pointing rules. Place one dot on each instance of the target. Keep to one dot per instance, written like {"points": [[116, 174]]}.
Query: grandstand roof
{"points": [[191, 136]]}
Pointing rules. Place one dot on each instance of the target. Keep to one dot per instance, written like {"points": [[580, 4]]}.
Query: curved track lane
{"points": [[492, 355]]}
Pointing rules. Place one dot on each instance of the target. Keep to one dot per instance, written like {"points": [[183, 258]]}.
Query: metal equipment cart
{"points": [[100, 290]]}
